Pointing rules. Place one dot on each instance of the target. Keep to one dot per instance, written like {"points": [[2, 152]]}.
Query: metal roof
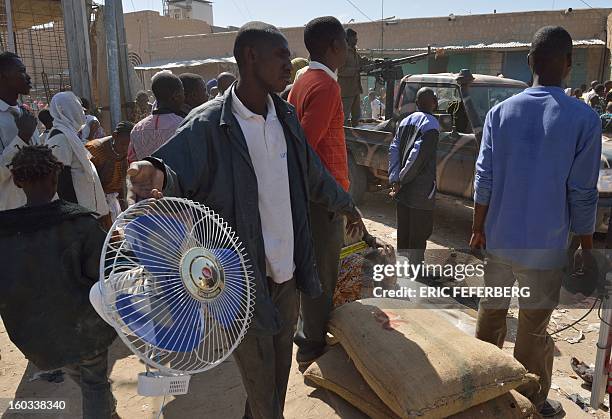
{"points": [[185, 1], [169, 64], [450, 78], [584, 43]]}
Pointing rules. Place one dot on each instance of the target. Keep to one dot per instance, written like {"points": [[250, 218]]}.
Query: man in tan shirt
{"points": [[349, 78]]}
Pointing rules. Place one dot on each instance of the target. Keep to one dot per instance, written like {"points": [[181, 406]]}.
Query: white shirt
{"points": [[588, 96], [89, 192], [378, 109], [10, 195], [267, 146], [315, 65]]}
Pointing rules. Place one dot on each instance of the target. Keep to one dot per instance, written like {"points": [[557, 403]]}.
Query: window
{"points": [[446, 96], [485, 97]]}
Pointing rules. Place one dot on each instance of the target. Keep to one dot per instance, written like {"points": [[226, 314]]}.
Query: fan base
{"points": [[155, 384]]}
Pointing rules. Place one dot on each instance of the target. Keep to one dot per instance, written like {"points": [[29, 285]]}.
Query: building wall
{"points": [[200, 11], [178, 13], [487, 62], [418, 33], [489, 28], [145, 29], [595, 64]]}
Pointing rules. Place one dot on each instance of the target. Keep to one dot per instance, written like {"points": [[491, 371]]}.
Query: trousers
{"points": [[352, 109], [264, 361], [328, 237], [92, 377], [414, 227], [534, 348]]}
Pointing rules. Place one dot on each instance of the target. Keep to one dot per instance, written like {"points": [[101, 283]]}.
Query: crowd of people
{"points": [[277, 171], [599, 98]]}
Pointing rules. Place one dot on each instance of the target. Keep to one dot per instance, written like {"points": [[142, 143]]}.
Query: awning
{"points": [[170, 64], [580, 43]]}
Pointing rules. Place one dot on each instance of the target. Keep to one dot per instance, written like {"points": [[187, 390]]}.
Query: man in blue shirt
{"points": [[412, 174], [536, 181]]}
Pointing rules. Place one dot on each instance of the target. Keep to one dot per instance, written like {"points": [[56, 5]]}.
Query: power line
{"points": [[246, 6], [360, 11], [239, 10], [588, 5]]}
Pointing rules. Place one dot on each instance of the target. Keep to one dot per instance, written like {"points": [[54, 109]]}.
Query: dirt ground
{"points": [[218, 394]]}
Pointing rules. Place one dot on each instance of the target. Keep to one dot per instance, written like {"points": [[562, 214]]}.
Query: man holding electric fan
{"points": [[246, 157]]}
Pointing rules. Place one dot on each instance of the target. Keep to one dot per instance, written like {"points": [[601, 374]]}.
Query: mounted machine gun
{"points": [[387, 71]]}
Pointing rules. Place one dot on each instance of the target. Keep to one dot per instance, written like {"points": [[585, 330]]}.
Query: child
{"points": [[50, 257]]}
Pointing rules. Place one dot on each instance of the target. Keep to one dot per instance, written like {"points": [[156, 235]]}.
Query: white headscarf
{"points": [[69, 117]]}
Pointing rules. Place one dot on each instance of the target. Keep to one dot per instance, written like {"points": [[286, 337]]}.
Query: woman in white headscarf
{"points": [[79, 181]]}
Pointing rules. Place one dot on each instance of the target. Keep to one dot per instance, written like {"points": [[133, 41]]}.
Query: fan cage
{"points": [[154, 288]]}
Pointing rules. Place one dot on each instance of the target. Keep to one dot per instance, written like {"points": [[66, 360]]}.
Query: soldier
{"points": [[349, 79]]}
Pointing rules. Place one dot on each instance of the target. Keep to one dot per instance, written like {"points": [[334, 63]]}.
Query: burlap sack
{"points": [[334, 371], [419, 364]]}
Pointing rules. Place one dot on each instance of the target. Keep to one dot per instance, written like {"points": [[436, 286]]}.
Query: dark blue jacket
{"points": [[208, 161], [50, 259]]}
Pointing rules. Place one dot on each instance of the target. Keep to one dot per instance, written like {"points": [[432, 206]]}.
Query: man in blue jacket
{"points": [[245, 156], [536, 182], [412, 174]]}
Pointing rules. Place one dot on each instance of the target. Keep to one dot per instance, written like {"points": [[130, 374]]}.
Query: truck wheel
{"points": [[359, 179]]}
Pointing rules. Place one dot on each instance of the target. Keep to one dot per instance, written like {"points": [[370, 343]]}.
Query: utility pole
{"points": [[9, 26], [112, 63], [126, 87], [76, 31], [382, 28]]}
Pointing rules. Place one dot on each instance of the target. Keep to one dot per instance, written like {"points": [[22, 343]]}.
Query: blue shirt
{"points": [[537, 171]]}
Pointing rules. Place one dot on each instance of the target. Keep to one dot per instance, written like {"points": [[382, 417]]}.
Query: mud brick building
{"points": [[489, 43]]}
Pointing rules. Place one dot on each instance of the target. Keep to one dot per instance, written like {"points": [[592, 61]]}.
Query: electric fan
{"points": [[176, 284]]}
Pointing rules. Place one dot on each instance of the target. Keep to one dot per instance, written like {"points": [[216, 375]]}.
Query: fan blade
{"points": [[161, 323], [156, 241], [177, 284], [233, 296]]}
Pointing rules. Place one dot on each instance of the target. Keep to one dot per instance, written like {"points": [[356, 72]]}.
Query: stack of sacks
{"points": [[412, 363]]}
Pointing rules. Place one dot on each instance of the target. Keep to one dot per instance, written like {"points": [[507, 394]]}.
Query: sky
{"points": [[285, 13]]}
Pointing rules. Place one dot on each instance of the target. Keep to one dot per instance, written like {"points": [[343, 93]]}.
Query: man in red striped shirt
{"points": [[316, 97]]}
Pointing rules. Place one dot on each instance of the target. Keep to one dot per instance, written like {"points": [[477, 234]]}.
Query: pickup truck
{"points": [[464, 100]]}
